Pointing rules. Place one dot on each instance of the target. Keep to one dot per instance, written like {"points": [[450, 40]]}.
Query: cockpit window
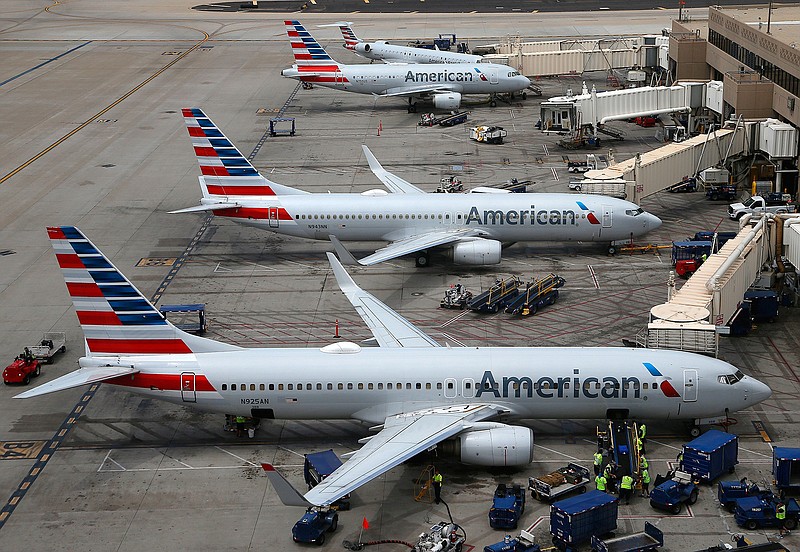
{"points": [[730, 379], [634, 212]]}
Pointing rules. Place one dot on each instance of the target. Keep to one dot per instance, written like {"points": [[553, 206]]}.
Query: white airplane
{"points": [[383, 51], [443, 83], [473, 225], [422, 395]]}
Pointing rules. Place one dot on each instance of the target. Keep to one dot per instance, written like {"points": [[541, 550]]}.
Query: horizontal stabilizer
{"points": [[286, 492], [201, 208], [77, 378]]}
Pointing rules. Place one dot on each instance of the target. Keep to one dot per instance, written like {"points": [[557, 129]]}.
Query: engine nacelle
{"points": [[477, 252], [499, 446], [449, 100]]}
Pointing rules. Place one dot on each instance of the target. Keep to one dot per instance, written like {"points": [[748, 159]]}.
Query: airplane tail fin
{"points": [[286, 491], [226, 172], [350, 38], [117, 320], [307, 51]]}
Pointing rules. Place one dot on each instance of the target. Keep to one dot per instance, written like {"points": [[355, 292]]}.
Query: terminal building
{"points": [[755, 52]]}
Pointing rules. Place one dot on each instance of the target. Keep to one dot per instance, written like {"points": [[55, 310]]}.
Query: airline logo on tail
{"points": [[115, 317], [312, 58], [226, 170], [350, 38]]}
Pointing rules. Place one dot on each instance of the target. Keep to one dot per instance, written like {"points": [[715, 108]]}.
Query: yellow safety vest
{"points": [[600, 481], [780, 513], [645, 464], [598, 458], [645, 476], [438, 478], [627, 482]]}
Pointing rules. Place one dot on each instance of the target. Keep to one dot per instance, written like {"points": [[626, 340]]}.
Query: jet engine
{"points": [[477, 252], [449, 100], [363, 47], [500, 445]]}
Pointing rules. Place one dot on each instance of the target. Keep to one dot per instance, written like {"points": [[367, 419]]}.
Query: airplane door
{"points": [[468, 388], [272, 216], [339, 79], [187, 387], [689, 385], [493, 78], [450, 388], [606, 216]]}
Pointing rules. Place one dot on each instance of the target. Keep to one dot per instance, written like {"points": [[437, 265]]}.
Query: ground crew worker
{"points": [[780, 515], [643, 433], [27, 356], [703, 258], [626, 488], [239, 426], [600, 482], [640, 445], [598, 462], [645, 483], [610, 476], [437, 485], [643, 463], [679, 459]]}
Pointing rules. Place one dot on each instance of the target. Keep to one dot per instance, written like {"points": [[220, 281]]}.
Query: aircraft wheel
{"points": [[524, 95], [422, 259], [695, 431], [612, 250], [493, 103]]}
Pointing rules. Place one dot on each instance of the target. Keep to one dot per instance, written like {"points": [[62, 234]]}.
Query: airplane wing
{"points": [[402, 437], [389, 328], [395, 184], [77, 378], [413, 244], [418, 89]]}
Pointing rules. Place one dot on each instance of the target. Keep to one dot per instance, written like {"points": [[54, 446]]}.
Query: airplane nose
{"points": [[653, 222], [525, 81], [759, 391]]}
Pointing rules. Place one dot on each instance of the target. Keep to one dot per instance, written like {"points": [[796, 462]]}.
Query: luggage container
{"points": [[318, 466], [786, 468], [763, 304], [575, 520], [710, 455]]}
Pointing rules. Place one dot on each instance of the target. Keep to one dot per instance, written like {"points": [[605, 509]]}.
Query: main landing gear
{"points": [[412, 105], [422, 258]]}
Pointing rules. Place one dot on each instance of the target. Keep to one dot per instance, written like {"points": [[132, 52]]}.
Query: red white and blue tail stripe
{"points": [[350, 38], [115, 317], [225, 170], [306, 50]]}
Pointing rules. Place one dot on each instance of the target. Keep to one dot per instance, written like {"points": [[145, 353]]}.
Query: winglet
{"points": [[346, 283], [342, 252], [391, 181], [286, 492]]}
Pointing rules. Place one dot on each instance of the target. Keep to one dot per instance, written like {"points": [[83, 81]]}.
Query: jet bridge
{"points": [[689, 320]]}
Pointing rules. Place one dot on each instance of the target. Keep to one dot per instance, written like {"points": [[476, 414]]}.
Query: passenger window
{"points": [[388, 386], [439, 386], [224, 386], [380, 386], [252, 387], [280, 387], [419, 386], [289, 387], [361, 386], [330, 387], [319, 387], [449, 384], [408, 386], [370, 386], [655, 385], [341, 387], [261, 387], [309, 387], [428, 386], [349, 386], [243, 387]]}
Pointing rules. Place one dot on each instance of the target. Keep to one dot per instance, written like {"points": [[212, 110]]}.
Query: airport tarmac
{"points": [[92, 136]]}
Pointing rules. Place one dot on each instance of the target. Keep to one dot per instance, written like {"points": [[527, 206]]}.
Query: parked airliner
{"points": [[423, 393], [391, 53], [443, 83], [473, 225]]}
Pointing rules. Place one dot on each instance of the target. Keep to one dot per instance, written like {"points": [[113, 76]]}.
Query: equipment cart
{"points": [[318, 466], [786, 468], [670, 493], [21, 371], [525, 542], [563, 481], [496, 297], [186, 314], [314, 524], [758, 512], [50, 344], [456, 297], [710, 455], [508, 505], [575, 520], [728, 492], [649, 539], [537, 294]]}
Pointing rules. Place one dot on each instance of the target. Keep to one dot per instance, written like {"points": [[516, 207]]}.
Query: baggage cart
{"points": [[575, 520], [649, 539], [786, 468], [508, 505], [710, 455], [50, 344], [571, 478], [763, 304], [318, 466]]}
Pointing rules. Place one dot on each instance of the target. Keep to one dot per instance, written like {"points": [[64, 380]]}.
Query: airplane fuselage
{"points": [[408, 54], [465, 78], [389, 217], [536, 383]]}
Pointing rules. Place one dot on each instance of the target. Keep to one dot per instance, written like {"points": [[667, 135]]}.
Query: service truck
{"points": [[776, 203]]}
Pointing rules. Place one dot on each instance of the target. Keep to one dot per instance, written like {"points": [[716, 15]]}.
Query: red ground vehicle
{"points": [[686, 267], [21, 371]]}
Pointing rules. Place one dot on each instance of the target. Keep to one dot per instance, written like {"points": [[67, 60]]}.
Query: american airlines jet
{"points": [[443, 83], [422, 395], [390, 53], [413, 222]]}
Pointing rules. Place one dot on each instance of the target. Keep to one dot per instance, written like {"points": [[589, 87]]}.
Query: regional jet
{"points": [[390, 53], [443, 83], [473, 226], [422, 396]]}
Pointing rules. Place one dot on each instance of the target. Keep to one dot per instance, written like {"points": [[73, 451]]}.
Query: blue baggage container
{"points": [[710, 455], [786, 467], [763, 304], [575, 520]]}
